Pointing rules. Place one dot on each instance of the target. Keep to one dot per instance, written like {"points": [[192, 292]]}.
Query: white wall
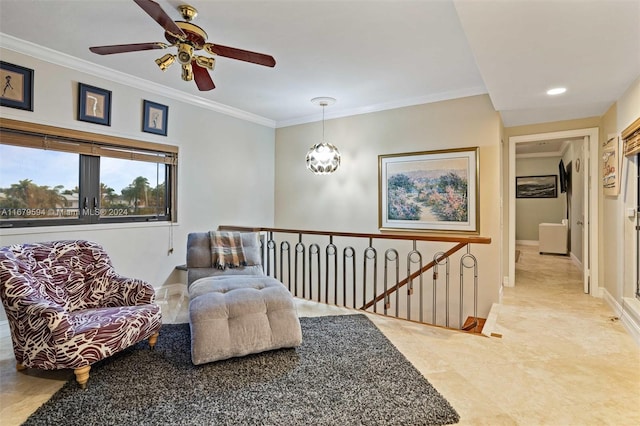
{"points": [[530, 212], [618, 230], [618, 238], [225, 171], [348, 199]]}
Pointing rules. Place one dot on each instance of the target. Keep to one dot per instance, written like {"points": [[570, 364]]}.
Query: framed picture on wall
{"points": [[537, 186], [94, 104], [429, 191], [155, 118], [610, 166], [17, 86]]}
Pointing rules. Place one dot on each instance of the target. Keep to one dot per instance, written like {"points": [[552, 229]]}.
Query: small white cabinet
{"points": [[553, 237]]}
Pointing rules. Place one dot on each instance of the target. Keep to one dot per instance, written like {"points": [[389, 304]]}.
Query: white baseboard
{"points": [[576, 261], [505, 283], [527, 242], [628, 312], [4, 329]]}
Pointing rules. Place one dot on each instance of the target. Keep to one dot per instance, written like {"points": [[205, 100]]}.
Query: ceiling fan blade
{"points": [[122, 48], [241, 55], [202, 77], [160, 16]]}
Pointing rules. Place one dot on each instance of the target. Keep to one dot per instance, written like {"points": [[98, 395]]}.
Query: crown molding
{"points": [[72, 62], [437, 97], [62, 59]]}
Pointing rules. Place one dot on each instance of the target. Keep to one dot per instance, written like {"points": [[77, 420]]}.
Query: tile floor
{"points": [[562, 359]]}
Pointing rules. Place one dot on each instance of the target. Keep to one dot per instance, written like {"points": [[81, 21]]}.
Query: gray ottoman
{"points": [[236, 315]]}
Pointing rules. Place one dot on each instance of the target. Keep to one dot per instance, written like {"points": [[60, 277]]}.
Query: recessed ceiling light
{"points": [[556, 91]]}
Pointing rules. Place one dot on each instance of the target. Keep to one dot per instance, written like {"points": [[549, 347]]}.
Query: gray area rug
{"points": [[345, 372]]}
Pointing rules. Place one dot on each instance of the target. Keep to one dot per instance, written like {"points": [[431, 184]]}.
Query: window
{"points": [[38, 184], [51, 176], [129, 187]]}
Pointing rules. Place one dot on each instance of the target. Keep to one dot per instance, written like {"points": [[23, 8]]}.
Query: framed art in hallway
{"points": [[17, 86], [537, 186], [155, 118], [611, 166], [432, 191], [94, 104]]}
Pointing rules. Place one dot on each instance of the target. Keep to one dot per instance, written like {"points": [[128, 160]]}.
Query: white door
{"points": [[586, 223]]}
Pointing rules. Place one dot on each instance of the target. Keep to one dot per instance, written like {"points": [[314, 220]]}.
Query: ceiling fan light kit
{"points": [[166, 61], [187, 72], [185, 53], [188, 38], [323, 158], [205, 62]]}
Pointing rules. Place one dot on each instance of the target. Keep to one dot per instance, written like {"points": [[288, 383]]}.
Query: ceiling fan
{"points": [[188, 38]]}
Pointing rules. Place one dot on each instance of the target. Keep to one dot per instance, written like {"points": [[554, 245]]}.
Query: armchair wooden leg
{"points": [[20, 367], [82, 376], [153, 340]]}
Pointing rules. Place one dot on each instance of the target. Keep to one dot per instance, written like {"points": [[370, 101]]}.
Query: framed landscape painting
{"points": [[537, 186], [434, 191]]}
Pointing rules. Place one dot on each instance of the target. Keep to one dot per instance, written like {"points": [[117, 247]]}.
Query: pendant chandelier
{"points": [[323, 158]]}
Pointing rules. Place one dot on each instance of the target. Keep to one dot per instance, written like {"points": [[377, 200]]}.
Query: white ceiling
{"points": [[544, 148], [369, 55]]}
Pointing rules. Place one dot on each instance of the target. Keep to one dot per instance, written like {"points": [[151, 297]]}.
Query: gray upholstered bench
{"points": [[236, 315]]}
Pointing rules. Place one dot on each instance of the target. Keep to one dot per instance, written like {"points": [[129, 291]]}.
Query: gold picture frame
{"points": [[434, 191]]}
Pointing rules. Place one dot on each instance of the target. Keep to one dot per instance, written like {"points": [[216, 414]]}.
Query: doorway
{"points": [[590, 203]]}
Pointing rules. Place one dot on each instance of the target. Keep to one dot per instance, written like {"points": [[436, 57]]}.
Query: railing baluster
{"points": [[438, 258], [314, 250], [468, 261], [391, 255], [370, 253], [410, 260], [264, 248], [286, 248], [300, 250], [271, 246], [331, 250], [348, 253]]}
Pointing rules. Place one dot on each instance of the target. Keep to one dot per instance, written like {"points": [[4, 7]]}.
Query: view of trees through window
{"points": [[129, 187], [41, 184], [417, 196]]}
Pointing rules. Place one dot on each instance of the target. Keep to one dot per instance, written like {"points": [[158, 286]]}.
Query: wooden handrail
{"points": [[471, 239]]}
